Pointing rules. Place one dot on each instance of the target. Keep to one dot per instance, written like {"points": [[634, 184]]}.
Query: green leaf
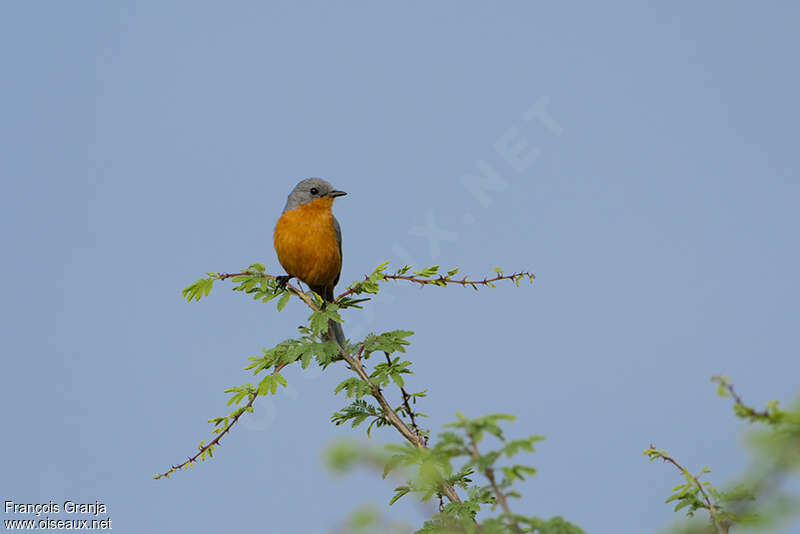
{"points": [[397, 379], [239, 393], [318, 320], [269, 296], [280, 379], [354, 387], [399, 492], [198, 289], [388, 342], [681, 504], [325, 352], [284, 299], [391, 464], [269, 384], [305, 359], [357, 413], [348, 302], [427, 272]]}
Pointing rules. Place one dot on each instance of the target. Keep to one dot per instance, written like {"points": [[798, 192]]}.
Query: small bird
{"points": [[308, 240]]}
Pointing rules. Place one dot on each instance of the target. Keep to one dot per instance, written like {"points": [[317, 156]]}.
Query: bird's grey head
{"points": [[308, 190]]}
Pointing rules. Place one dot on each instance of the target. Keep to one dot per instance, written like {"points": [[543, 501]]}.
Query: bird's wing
{"points": [[338, 242]]}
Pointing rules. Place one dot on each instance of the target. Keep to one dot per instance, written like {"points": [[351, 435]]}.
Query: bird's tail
{"points": [[338, 333], [327, 296]]}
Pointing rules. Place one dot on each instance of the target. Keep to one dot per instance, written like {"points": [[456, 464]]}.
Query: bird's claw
{"points": [[281, 282]]}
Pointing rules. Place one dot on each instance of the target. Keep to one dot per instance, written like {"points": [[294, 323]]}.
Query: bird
{"points": [[308, 241]]}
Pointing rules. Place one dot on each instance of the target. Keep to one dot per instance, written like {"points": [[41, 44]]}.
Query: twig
{"points": [[711, 509], [501, 497], [444, 280], [225, 276], [391, 416], [407, 406], [463, 282], [749, 412], [216, 441], [305, 297], [415, 437]]}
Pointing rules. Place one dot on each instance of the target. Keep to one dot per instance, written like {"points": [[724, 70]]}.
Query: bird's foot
{"points": [[281, 282]]}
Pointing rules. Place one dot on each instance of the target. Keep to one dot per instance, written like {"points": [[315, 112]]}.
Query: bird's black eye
{"points": [[314, 190]]}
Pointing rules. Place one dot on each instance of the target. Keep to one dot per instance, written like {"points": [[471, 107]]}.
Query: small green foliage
{"points": [[404, 409], [354, 387], [459, 458], [476, 427], [755, 501], [394, 371], [388, 342], [359, 411], [771, 414], [368, 519], [240, 393], [430, 471], [454, 518], [363, 518], [427, 272], [205, 451], [517, 472], [694, 495], [285, 352], [429, 276], [269, 384], [318, 320], [554, 525], [199, 289], [370, 284], [399, 491], [342, 457], [513, 447], [325, 353], [349, 302], [283, 300], [256, 283], [722, 387]]}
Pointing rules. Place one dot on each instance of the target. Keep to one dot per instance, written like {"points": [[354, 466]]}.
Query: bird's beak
{"points": [[336, 194]]}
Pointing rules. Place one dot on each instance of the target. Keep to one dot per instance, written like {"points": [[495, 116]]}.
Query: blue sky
{"points": [[653, 190]]}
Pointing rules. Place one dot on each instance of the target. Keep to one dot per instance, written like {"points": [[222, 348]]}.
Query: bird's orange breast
{"points": [[306, 244]]}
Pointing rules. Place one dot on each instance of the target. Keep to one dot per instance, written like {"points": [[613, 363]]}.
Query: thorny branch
{"points": [[217, 440], [746, 410], [463, 282], [391, 416], [444, 280], [407, 406], [305, 297], [711, 509], [501, 497], [441, 280], [415, 436]]}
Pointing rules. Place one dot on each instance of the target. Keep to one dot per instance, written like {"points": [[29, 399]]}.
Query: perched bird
{"points": [[308, 240]]}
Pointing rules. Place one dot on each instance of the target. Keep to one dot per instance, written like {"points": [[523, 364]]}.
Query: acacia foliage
{"points": [[471, 487]]}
